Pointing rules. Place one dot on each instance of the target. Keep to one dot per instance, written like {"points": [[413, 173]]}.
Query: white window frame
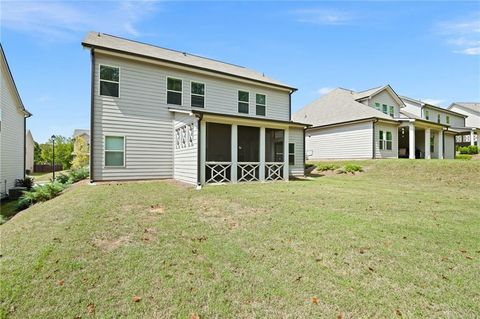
{"points": [[266, 99], [427, 115], [439, 118], [238, 101], [387, 140], [391, 110], [204, 94], [289, 154], [105, 150], [382, 145], [447, 119], [385, 109], [167, 90], [100, 79]]}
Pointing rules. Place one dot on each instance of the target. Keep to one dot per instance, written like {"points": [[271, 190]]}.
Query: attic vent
{"points": [[185, 53], [98, 34]]}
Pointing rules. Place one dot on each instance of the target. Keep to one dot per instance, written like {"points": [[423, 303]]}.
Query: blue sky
{"points": [[427, 50]]}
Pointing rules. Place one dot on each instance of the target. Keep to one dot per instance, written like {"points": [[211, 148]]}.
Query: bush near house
{"points": [[471, 149], [322, 167], [463, 157]]}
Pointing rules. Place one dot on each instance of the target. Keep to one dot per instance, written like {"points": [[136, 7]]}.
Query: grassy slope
{"points": [[404, 236]]}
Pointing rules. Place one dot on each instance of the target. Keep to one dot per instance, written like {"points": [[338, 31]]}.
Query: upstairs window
{"points": [[427, 115], [291, 153], [385, 108], [438, 118], [243, 101], [377, 106], [114, 151], [448, 119], [109, 81], [392, 111], [174, 91], [197, 94], [261, 104]]}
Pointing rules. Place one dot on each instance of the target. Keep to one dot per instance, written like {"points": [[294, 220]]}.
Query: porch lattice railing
{"points": [[273, 171], [219, 172], [248, 171]]}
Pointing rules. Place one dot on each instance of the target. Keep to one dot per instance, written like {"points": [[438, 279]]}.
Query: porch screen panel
{"points": [[248, 144], [219, 142], [274, 145]]}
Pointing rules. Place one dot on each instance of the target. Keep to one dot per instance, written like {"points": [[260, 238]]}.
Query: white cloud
{"points": [[433, 101], [462, 34], [325, 90], [323, 16], [64, 20]]}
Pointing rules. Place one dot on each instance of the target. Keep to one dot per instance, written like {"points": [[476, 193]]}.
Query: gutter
{"points": [[92, 112]]}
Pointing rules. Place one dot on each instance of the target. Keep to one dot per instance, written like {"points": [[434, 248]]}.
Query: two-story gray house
{"points": [[158, 113]]}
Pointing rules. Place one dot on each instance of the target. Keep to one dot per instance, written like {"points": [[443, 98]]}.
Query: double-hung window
{"points": [[427, 115], [385, 108], [243, 101], [115, 151], [438, 118], [291, 153], [261, 104], [377, 106], [174, 91], [385, 141], [109, 81], [197, 98], [392, 111], [447, 119], [381, 140], [389, 141]]}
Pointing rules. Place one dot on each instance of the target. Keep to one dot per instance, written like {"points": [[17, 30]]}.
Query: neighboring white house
{"points": [[371, 124], [13, 117], [469, 134], [159, 113], [29, 152]]}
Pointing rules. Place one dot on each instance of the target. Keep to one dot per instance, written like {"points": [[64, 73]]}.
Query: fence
{"points": [[46, 168]]}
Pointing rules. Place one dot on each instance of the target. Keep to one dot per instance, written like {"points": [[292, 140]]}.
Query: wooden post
{"points": [[233, 168], [262, 154], [411, 141]]}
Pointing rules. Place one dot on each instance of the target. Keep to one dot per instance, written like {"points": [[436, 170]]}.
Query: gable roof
{"points": [[431, 106], [12, 81], [78, 132], [374, 91], [338, 106], [472, 106], [113, 43]]}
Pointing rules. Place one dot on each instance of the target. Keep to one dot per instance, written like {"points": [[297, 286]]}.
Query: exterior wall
{"points": [[449, 149], [348, 141], [296, 136], [413, 108], [29, 150], [11, 135], [141, 114], [186, 159], [456, 121], [386, 153], [86, 138], [473, 119], [384, 97]]}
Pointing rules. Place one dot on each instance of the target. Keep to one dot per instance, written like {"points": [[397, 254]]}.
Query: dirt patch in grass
{"points": [[156, 209], [108, 245]]}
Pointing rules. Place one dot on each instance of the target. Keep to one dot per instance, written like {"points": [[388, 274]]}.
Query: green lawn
{"points": [[44, 177], [400, 239]]}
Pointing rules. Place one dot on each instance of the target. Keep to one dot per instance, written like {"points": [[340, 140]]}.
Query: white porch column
{"points": [[233, 169], [262, 154], [411, 141], [427, 144], [440, 144], [285, 154], [203, 150], [472, 142]]}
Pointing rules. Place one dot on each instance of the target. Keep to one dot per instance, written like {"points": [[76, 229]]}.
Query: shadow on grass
{"points": [[8, 209]]}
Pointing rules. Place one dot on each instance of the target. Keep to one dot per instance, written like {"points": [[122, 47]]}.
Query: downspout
{"points": [[373, 138], [92, 113], [199, 182], [290, 105]]}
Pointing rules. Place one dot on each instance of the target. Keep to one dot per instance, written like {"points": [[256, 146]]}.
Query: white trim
{"points": [[124, 150], [266, 99], [204, 94], [238, 100], [166, 90], [119, 79]]}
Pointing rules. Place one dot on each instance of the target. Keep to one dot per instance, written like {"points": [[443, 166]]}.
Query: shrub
{"points": [[326, 167], [352, 168], [40, 193], [62, 178], [471, 149], [27, 182], [463, 157], [78, 174], [308, 165]]}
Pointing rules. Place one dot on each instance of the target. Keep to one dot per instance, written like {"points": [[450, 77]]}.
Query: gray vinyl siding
{"points": [[393, 153], [296, 136], [350, 141], [384, 97], [11, 135], [139, 116], [473, 119], [186, 159], [455, 120], [449, 150]]}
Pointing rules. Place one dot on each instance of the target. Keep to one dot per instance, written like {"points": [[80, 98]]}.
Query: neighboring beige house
{"points": [[13, 117], [469, 134], [83, 134], [371, 124], [159, 113], [29, 152]]}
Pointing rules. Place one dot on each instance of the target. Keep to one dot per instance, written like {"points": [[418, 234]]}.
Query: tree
{"points": [[63, 151], [80, 152], [37, 153]]}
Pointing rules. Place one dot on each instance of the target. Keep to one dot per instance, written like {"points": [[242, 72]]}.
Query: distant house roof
{"points": [[431, 106], [338, 106], [472, 106], [10, 76], [113, 43], [78, 132]]}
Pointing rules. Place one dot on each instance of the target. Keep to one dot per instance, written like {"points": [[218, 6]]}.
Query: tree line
{"points": [[64, 152]]}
